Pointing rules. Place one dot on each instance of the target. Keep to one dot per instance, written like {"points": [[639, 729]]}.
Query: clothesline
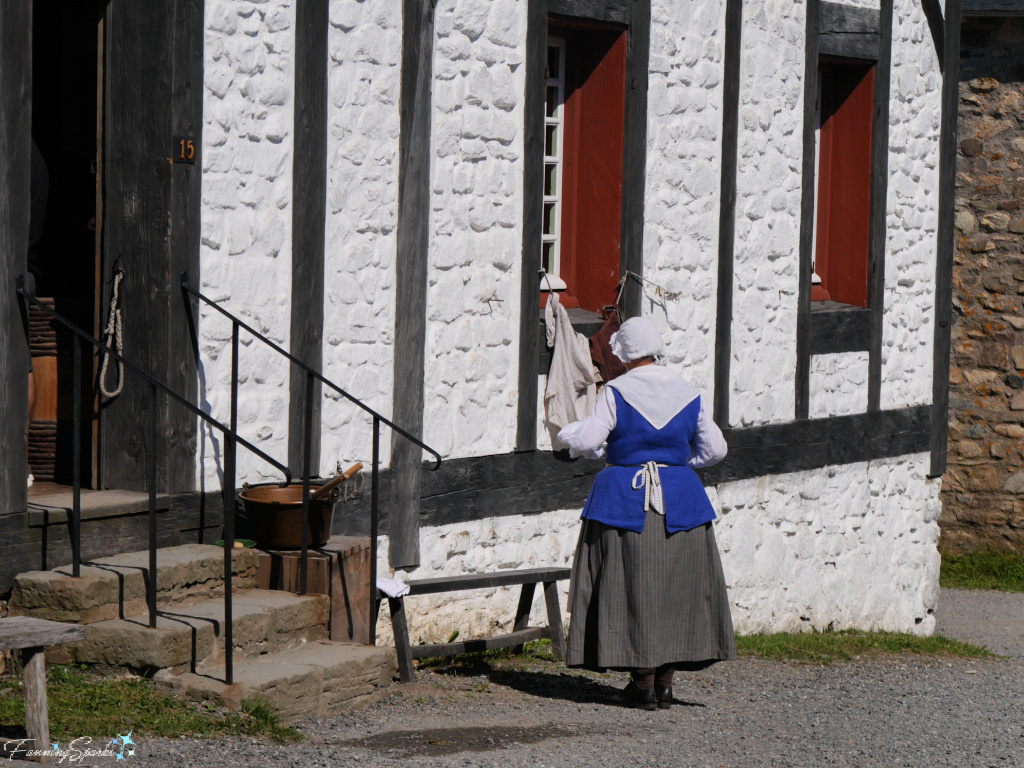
{"points": [[658, 289]]}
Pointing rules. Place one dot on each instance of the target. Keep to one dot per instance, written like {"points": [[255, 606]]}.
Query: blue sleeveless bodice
{"points": [[634, 442]]}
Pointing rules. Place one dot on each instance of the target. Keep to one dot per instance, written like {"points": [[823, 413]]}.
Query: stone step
{"points": [[317, 679], [115, 587], [192, 637]]}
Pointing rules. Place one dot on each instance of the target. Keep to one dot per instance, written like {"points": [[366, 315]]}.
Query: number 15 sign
{"points": [[185, 150]]}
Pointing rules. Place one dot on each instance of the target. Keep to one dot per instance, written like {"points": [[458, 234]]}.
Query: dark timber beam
{"points": [[411, 277], [848, 31], [877, 211], [634, 165], [186, 190], [309, 214], [944, 247], [933, 13], [468, 490], [533, 211], [727, 208], [15, 151], [803, 319], [610, 11]]}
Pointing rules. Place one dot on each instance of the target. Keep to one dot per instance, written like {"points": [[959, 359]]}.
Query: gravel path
{"points": [[896, 711], [992, 619]]}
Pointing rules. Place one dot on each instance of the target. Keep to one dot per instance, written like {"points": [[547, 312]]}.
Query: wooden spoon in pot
{"points": [[323, 491]]}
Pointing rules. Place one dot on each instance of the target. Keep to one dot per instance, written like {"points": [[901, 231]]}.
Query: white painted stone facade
{"points": [[364, 78], [844, 547], [850, 546], [245, 255], [912, 211], [475, 227]]}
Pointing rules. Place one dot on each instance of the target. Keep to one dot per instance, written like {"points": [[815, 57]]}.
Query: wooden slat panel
{"points": [[137, 227], [25, 632], [840, 330], [486, 580]]}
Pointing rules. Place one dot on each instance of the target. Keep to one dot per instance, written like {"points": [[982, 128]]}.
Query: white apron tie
{"points": [[649, 479]]}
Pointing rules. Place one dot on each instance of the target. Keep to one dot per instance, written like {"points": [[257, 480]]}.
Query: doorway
{"points": [[67, 112]]}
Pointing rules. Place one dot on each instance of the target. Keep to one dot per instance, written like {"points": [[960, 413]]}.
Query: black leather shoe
{"points": [[631, 696], [664, 696]]}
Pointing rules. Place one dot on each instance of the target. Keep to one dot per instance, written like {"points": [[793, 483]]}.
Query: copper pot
{"points": [[275, 515]]}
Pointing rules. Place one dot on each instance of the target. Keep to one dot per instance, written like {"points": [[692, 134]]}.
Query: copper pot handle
{"points": [[323, 491]]}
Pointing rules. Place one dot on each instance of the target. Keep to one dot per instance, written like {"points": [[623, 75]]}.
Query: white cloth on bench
{"points": [[393, 587]]}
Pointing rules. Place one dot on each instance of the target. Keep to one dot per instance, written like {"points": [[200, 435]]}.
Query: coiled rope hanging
{"points": [[112, 337]]}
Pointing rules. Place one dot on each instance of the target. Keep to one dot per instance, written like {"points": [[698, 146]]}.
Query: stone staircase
{"points": [[281, 646]]}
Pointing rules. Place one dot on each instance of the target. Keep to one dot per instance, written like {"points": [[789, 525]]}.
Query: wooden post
{"points": [[402, 647], [15, 172], [523, 611], [554, 619], [37, 719]]}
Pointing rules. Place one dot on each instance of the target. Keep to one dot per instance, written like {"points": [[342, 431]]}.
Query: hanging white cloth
{"points": [[571, 391], [649, 479]]}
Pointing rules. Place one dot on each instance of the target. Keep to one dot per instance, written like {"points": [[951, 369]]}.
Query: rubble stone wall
{"points": [[476, 230], [245, 252], [983, 490], [364, 81]]}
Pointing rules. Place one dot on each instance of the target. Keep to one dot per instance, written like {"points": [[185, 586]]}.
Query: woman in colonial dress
{"points": [[647, 592]]}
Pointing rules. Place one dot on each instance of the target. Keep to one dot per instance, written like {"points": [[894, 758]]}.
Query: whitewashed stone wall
{"points": [[476, 227], [844, 547], [684, 159], [912, 211], [365, 48], [245, 255], [768, 212], [839, 384]]}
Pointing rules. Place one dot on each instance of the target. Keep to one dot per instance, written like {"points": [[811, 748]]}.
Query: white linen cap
{"points": [[635, 339]]}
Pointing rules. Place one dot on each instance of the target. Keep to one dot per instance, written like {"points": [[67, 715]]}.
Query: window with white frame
{"points": [[554, 134]]}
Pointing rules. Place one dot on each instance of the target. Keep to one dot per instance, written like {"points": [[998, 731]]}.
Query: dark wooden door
{"points": [[153, 96]]}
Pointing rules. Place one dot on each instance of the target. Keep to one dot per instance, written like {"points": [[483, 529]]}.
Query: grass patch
{"points": [[83, 704], [826, 647], [983, 570]]}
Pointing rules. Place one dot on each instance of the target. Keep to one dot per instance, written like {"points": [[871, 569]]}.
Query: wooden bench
{"points": [[31, 636], [521, 631]]}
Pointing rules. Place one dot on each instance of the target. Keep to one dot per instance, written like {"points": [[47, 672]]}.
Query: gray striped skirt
{"points": [[641, 600]]}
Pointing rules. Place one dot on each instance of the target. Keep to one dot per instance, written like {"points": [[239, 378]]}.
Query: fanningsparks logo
{"points": [[120, 748]]}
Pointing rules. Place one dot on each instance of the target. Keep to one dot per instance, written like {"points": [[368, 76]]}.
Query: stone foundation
{"points": [[983, 491]]}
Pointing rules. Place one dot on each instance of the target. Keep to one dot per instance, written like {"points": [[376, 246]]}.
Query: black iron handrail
{"points": [[311, 376], [230, 438]]}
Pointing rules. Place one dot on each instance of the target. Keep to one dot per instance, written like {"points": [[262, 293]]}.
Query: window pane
{"points": [[553, 55], [547, 258], [551, 180], [552, 100], [550, 218], [551, 141]]}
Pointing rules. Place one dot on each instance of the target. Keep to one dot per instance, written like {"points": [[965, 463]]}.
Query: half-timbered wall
{"points": [[863, 525]]}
